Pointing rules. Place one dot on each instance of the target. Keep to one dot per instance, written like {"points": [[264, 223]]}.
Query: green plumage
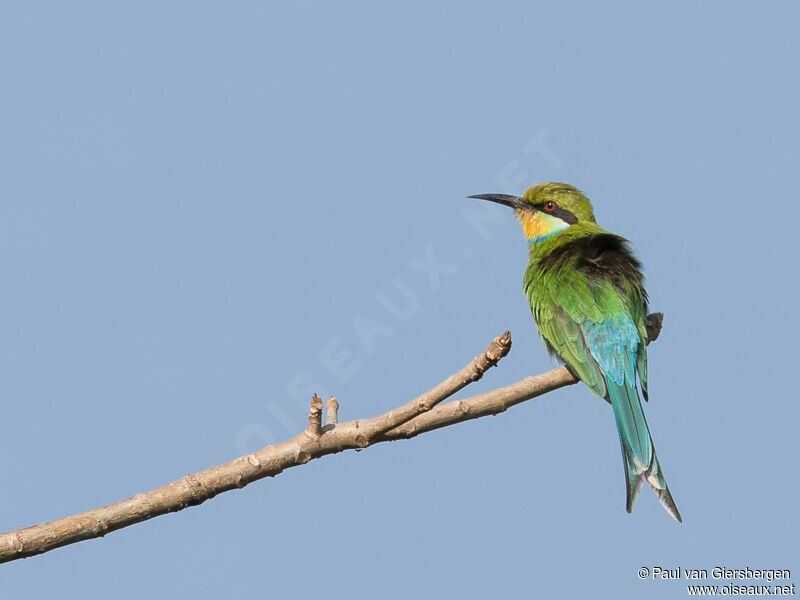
{"points": [[587, 296]]}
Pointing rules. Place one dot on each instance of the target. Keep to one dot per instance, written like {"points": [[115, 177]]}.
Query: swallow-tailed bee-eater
{"points": [[586, 292]]}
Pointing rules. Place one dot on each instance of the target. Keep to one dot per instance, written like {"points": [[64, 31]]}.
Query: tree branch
{"points": [[424, 413]]}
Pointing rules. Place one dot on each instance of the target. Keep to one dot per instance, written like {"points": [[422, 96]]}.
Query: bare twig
{"points": [[654, 324], [409, 420], [332, 417], [482, 405], [270, 461], [472, 372], [315, 417]]}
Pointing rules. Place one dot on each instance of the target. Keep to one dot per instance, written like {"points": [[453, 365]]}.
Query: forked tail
{"points": [[638, 451]]}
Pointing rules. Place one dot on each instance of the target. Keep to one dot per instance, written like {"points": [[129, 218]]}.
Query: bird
{"points": [[586, 291]]}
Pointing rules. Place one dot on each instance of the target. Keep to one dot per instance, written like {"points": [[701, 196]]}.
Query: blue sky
{"points": [[201, 203]]}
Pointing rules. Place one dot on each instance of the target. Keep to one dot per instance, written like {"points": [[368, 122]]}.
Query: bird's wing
{"points": [[641, 364], [590, 327], [567, 338]]}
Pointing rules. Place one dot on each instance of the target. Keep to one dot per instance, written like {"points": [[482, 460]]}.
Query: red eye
{"points": [[549, 206]]}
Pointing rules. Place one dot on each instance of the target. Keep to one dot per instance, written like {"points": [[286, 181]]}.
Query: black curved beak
{"points": [[514, 202]]}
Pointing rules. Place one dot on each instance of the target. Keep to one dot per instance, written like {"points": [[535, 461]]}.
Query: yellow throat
{"points": [[537, 225]]}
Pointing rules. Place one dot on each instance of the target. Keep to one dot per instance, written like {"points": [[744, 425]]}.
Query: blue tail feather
{"points": [[638, 452]]}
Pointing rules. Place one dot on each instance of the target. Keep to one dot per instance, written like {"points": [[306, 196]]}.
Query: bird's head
{"points": [[546, 209]]}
